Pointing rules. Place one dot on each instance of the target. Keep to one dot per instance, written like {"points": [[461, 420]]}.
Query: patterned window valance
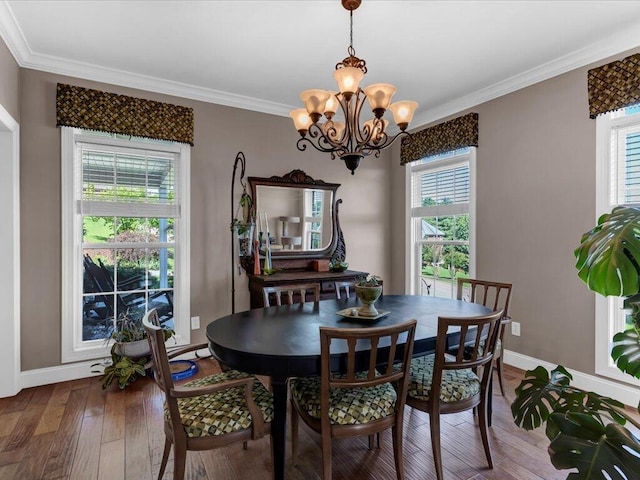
{"points": [[108, 112], [614, 86], [444, 137]]}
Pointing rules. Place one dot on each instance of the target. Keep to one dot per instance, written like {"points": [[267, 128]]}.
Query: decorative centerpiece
{"points": [[337, 266], [368, 290]]}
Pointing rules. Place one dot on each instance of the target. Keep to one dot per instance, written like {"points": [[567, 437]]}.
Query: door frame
{"points": [[10, 244]]}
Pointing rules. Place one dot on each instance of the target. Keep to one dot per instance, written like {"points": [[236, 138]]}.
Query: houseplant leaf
{"points": [[606, 255], [538, 395], [626, 352], [608, 452]]}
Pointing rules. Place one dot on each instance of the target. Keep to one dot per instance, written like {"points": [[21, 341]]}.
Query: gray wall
{"points": [[268, 143], [535, 198], [9, 82]]}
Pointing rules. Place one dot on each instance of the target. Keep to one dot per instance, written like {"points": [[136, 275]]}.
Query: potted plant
{"points": [[587, 430], [242, 224], [130, 351], [368, 290]]}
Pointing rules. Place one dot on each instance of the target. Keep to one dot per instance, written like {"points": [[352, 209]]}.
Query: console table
{"points": [[293, 277]]}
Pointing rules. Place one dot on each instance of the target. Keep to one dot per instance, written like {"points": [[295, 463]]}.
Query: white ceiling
{"points": [[259, 55]]}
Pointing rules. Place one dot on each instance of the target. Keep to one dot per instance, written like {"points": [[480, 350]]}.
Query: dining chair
{"points": [[442, 383], [208, 412], [495, 296], [346, 286], [294, 292], [362, 401]]}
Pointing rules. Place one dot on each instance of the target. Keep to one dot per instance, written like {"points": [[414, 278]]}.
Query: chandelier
{"points": [[350, 140]]}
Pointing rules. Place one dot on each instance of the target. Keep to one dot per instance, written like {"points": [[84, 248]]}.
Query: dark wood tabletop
{"points": [[284, 341]]}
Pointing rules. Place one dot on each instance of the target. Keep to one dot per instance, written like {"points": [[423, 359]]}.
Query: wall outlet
{"points": [[515, 329], [195, 323]]}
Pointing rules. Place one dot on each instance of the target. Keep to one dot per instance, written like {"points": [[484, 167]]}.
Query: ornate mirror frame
{"points": [[336, 250]]}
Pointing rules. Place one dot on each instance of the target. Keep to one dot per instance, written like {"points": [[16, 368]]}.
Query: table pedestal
{"points": [[279, 425]]}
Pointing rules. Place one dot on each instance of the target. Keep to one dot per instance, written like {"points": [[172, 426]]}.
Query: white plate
{"points": [[354, 313]]}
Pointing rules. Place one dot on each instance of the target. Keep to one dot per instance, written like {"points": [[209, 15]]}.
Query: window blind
{"points": [[127, 184], [440, 191]]}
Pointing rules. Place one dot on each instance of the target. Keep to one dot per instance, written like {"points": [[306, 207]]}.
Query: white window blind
{"points": [[136, 185], [443, 190], [625, 164]]}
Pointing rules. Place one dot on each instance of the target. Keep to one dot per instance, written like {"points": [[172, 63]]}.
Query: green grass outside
{"points": [[96, 230], [443, 273]]}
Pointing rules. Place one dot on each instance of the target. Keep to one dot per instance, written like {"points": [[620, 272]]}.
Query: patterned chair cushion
{"points": [[348, 406], [456, 385], [221, 412], [496, 354]]}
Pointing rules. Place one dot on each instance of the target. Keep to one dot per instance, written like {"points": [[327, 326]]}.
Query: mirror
{"points": [[301, 214]]}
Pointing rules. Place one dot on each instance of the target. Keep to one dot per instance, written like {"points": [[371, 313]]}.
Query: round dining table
{"points": [[284, 341]]}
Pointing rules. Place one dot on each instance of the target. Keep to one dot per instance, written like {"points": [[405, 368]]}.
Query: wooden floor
{"points": [[76, 430]]}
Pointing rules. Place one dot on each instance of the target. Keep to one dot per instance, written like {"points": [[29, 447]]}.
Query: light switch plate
{"points": [[515, 329], [195, 323]]}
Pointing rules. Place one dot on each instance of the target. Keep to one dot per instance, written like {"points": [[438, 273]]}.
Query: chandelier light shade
{"points": [[352, 138]]}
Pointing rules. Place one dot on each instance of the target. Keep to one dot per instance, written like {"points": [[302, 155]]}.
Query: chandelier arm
{"points": [[363, 136], [322, 138], [316, 138], [330, 139], [405, 138], [351, 142]]}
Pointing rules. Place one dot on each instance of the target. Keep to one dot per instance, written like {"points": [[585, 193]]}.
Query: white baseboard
{"points": [[72, 371], [62, 373], [626, 394]]}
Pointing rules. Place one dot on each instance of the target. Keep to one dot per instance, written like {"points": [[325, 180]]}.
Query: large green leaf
{"points": [[608, 257], [540, 394], [537, 396], [626, 352], [608, 452]]}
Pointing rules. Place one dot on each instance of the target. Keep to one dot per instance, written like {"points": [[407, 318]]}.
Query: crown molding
{"points": [[12, 35], [152, 84], [619, 42]]}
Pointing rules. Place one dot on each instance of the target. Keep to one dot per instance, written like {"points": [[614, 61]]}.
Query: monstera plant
{"points": [[588, 432]]}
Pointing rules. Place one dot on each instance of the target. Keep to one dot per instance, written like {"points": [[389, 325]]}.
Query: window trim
{"points": [[604, 306], [411, 251], [72, 348]]}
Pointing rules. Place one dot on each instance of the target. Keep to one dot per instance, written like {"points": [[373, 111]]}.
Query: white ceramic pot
{"points": [[137, 349]]}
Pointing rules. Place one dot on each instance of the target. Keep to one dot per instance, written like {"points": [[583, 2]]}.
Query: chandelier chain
{"points": [[351, 49]]}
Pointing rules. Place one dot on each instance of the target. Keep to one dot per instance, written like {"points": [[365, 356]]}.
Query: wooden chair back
{"points": [[494, 295], [383, 343], [162, 370], [477, 338], [346, 286], [293, 292]]}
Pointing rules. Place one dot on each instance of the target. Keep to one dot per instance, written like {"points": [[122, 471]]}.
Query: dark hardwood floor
{"points": [[76, 430]]}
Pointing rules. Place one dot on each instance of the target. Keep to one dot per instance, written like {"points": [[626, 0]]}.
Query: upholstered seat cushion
{"points": [[468, 351], [221, 412], [456, 385], [348, 406]]}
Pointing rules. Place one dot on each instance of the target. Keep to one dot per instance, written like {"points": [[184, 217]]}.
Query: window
{"points": [[314, 206], [617, 183], [441, 222], [125, 236]]}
